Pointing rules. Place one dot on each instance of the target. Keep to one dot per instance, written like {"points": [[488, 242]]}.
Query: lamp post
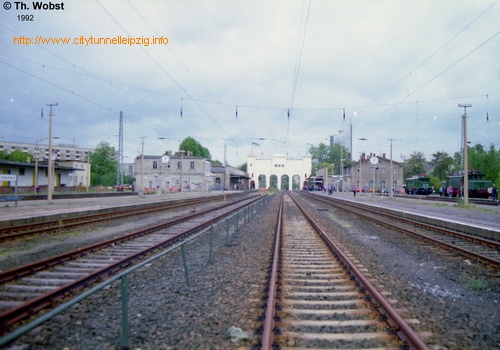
{"points": [[359, 182], [181, 151], [360, 185], [50, 175], [466, 168], [341, 165], [37, 155], [392, 173], [373, 183], [142, 167], [225, 161]]}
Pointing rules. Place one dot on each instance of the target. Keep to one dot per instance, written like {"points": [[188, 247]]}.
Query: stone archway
{"points": [[262, 181], [273, 181], [296, 182], [285, 182]]}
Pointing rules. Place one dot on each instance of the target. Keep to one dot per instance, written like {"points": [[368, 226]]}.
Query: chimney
{"points": [[383, 155]]}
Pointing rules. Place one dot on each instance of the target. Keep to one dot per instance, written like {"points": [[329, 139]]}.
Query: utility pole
{"points": [[119, 173], [50, 174], [392, 173], [466, 167], [181, 151], [142, 167]]}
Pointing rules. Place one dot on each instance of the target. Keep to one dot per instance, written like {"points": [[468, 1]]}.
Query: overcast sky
{"points": [[280, 73]]}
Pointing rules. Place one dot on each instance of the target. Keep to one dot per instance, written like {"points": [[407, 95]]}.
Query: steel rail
{"points": [[16, 314], [18, 272], [466, 236], [51, 225], [495, 263], [269, 318], [404, 331]]}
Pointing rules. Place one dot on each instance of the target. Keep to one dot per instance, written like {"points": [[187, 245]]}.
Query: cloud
{"points": [[394, 66]]}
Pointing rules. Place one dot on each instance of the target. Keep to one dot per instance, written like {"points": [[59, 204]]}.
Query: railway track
{"points": [[29, 289], [319, 298], [434, 198], [472, 247], [48, 226]]}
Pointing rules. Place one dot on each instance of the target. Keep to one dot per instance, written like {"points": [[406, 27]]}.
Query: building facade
{"points": [[62, 152], [185, 173], [33, 177], [278, 172], [373, 173], [65, 157]]}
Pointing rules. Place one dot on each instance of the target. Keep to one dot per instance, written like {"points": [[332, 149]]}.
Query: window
{"points": [[191, 165], [179, 165], [22, 171], [382, 170], [155, 164]]}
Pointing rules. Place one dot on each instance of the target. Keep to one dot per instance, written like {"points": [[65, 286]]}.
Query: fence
{"points": [[227, 228]]}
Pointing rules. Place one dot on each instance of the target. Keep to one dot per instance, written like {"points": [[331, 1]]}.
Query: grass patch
{"points": [[442, 205], [476, 284], [462, 205]]}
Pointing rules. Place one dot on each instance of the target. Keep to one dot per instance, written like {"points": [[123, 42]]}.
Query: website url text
{"points": [[91, 40]]}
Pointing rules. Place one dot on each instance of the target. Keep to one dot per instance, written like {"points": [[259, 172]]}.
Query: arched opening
{"points": [[296, 182], [252, 185], [285, 182], [262, 181], [274, 181], [218, 185]]}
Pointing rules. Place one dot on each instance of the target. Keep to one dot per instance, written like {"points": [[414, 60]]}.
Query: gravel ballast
{"points": [[167, 313]]}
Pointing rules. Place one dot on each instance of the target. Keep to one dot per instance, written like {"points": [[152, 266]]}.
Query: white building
{"points": [[279, 172], [32, 175], [63, 152]]}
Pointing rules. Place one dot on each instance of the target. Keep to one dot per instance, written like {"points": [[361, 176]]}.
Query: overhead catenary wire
{"points": [[164, 70], [188, 71], [421, 64], [429, 81], [298, 60], [242, 109]]}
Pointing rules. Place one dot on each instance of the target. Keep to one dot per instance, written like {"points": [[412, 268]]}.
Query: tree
{"points": [[328, 156], [243, 167], [415, 165], [492, 165], [16, 156], [441, 162], [191, 145], [104, 165]]}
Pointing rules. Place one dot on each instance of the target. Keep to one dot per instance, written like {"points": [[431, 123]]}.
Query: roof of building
{"points": [[32, 165]]}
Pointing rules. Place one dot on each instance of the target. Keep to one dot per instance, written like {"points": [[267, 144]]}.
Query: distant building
{"points": [[370, 174], [71, 164], [279, 172], [33, 175], [62, 152], [186, 173], [232, 178]]}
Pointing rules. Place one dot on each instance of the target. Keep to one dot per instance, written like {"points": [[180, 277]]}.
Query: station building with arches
{"points": [[279, 172]]}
